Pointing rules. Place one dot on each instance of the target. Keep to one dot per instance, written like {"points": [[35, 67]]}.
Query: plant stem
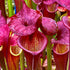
{"points": [[49, 55], [10, 7], [29, 3], [18, 5], [2, 7], [6, 64], [2, 62], [39, 67], [43, 55], [69, 49], [34, 5], [68, 12], [22, 65], [68, 63]]}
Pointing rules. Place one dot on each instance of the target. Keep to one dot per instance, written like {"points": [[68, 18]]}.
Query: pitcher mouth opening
{"points": [[33, 44], [52, 7], [15, 50], [60, 50]]}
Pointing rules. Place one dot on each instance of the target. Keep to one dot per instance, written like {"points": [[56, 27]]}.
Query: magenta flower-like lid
{"points": [[64, 3], [62, 34], [25, 21], [49, 26], [66, 21], [34, 43]]}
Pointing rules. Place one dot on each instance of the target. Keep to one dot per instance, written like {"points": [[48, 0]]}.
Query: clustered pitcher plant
{"points": [[36, 36]]}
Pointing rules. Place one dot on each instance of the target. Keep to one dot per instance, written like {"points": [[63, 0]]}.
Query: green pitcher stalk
{"points": [[49, 55], [10, 7], [22, 62], [29, 3]]}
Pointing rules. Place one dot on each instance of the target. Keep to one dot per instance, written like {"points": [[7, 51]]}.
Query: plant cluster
{"points": [[28, 38]]}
